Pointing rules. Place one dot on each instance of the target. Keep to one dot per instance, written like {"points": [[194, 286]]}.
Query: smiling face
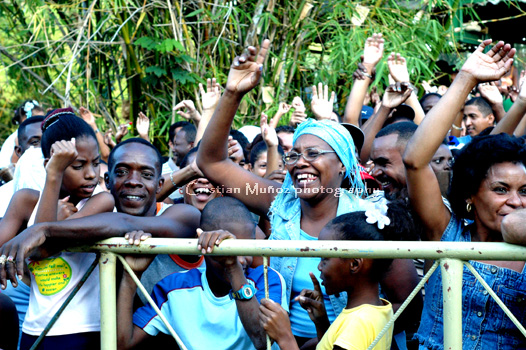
{"points": [[311, 178], [501, 192], [388, 165], [134, 180], [335, 272], [475, 121], [82, 176]]}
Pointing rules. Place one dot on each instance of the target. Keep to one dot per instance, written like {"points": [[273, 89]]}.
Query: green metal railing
{"points": [[451, 256]]}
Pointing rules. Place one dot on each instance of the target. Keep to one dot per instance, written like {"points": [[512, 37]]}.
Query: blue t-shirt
{"points": [[200, 319], [300, 322]]}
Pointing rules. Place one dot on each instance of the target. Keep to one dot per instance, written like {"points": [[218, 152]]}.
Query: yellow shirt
{"points": [[358, 327]]}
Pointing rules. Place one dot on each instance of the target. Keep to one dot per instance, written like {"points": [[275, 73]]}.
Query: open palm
{"points": [[246, 70], [489, 66]]}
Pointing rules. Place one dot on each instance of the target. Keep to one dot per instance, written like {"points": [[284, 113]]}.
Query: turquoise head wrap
{"points": [[341, 142]]}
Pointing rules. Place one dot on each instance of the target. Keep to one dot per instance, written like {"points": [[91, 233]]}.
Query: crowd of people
{"points": [[450, 166]]}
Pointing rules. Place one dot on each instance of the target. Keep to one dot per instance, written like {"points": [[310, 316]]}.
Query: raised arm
{"points": [[511, 120], [209, 100], [90, 119], [212, 157], [143, 126], [321, 105], [398, 71], [490, 92], [63, 153], [424, 191], [372, 54], [271, 140], [394, 96]]}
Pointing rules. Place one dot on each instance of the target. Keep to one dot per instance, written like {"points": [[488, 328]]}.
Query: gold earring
{"points": [[469, 207]]}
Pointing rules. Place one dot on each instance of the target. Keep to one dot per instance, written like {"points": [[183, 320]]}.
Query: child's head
{"points": [[397, 226], [258, 158], [27, 109], [80, 177], [229, 214]]}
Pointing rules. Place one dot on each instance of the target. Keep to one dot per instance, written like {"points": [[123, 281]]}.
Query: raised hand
{"points": [[312, 301], [63, 153], [87, 116], [490, 92], [108, 139], [143, 126], [269, 134], [65, 209], [373, 50], [396, 94], [321, 106], [190, 112], [398, 68], [482, 67], [210, 97], [297, 118], [282, 109], [122, 131], [297, 104], [246, 69]]}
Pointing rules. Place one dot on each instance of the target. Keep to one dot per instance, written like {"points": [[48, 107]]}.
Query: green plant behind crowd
{"points": [[119, 57]]}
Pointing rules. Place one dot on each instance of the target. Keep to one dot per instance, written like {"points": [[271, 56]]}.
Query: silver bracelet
{"points": [[456, 127], [172, 179]]}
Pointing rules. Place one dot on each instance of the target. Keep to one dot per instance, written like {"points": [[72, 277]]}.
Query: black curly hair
{"points": [[473, 162], [353, 227]]}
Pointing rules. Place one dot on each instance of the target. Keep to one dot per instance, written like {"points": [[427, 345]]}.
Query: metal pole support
{"points": [[452, 270], [108, 302]]}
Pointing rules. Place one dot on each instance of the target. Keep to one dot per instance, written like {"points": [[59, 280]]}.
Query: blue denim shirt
{"points": [[285, 223], [485, 325]]}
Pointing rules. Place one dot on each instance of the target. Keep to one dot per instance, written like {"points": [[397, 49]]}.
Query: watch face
{"points": [[247, 292]]}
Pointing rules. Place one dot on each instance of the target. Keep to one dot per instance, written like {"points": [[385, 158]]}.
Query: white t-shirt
{"points": [[7, 150], [52, 281]]}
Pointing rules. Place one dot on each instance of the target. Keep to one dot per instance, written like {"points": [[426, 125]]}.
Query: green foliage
{"points": [[135, 55]]}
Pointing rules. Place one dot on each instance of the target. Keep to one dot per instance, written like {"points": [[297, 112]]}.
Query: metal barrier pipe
{"points": [[452, 297], [108, 301], [354, 249]]}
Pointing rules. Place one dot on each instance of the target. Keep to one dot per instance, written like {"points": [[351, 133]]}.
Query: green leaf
{"points": [[146, 43], [194, 13], [182, 76], [158, 71]]}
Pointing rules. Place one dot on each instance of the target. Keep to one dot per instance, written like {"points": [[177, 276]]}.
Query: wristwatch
{"points": [[246, 292]]}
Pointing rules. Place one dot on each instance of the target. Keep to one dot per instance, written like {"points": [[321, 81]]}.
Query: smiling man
{"points": [[386, 153], [134, 178]]}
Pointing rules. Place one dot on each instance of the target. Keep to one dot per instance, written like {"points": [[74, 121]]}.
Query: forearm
{"points": [[412, 102], [213, 148], [125, 327], [275, 120], [203, 123], [248, 310], [498, 111], [272, 160], [48, 205], [353, 109], [511, 120], [103, 147], [179, 177], [371, 128], [322, 327], [435, 126], [456, 128]]}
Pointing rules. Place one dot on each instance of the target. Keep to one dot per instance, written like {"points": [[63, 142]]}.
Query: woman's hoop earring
{"points": [[469, 207], [341, 173]]}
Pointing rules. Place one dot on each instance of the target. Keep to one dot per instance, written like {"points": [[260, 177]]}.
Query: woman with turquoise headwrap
{"points": [[321, 158]]}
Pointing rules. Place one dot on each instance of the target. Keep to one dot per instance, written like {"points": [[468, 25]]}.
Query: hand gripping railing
{"points": [[450, 255]]}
